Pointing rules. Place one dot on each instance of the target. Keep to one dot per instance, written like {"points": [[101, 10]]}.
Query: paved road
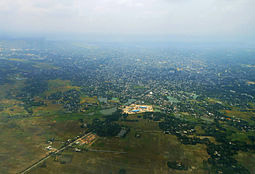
{"points": [[48, 156]]}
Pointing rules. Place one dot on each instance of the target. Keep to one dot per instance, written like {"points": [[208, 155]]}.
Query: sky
{"points": [[176, 18]]}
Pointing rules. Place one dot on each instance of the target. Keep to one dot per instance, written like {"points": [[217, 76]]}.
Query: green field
{"points": [[23, 141], [147, 154]]}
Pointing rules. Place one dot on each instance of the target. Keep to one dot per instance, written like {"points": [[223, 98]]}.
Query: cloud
{"points": [[165, 17]]}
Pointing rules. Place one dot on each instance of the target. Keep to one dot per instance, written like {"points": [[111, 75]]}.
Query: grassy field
{"points": [[48, 109], [90, 100], [11, 107], [44, 66], [247, 159], [23, 141], [147, 154], [59, 86], [238, 114], [11, 90]]}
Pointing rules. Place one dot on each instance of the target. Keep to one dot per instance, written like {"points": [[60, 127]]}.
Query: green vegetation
{"points": [[135, 158]]}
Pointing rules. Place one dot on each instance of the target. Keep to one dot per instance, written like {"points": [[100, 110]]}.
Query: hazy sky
{"points": [[151, 17]]}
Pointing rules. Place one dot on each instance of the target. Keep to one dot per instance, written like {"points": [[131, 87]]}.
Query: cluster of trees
{"points": [[30, 102], [10, 69], [176, 126], [241, 125], [56, 96], [105, 129], [181, 128], [221, 158], [71, 100], [35, 87], [221, 154], [108, 127], [192, 140]]}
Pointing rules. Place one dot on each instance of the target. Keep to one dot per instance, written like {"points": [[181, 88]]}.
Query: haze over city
{"points": [[230, 20]]}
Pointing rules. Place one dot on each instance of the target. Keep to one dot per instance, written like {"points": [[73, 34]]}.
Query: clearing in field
{"points": [[234, 113], [90, 100], [135, 109], [87, 140], [251, 83]]}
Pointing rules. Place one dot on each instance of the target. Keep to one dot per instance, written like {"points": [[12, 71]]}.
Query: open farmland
{"points": [[146, 154], [26, 140]]}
